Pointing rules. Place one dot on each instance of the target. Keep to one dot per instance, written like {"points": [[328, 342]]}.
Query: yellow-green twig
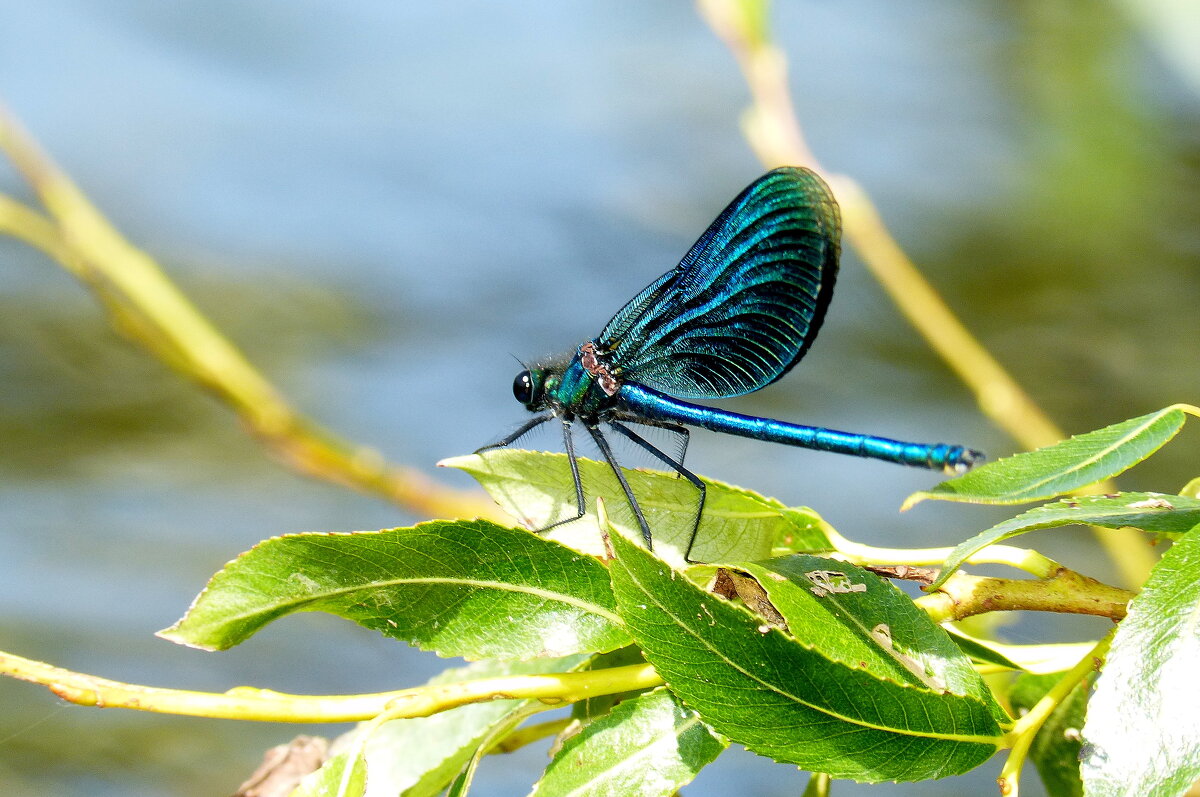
{"points": [[35, 229], [264, 705], [818, 785], [522, 736], [1041, 659], [149, 308], [1025, 559], [1066, 591], [774, 132], [1025, 729]]}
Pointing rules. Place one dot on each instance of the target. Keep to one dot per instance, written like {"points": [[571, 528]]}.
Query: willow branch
{"points": [[1066, 592], [146, 306], [1025, 559], [773, 130], [1025, 730], [264, 705]]}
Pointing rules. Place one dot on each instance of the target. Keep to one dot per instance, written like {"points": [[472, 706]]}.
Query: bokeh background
{"points": [[383, 202]]}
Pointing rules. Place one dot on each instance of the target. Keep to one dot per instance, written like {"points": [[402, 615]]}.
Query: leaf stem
{"points": [[264, 705], [1025, 729], [1190, 409], [1040, 659], [528, 735], [818, 785], [1066, 591], [1025, 559]]}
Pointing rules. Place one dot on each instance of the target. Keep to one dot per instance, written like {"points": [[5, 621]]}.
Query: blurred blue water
{"points": [[382, 202]]}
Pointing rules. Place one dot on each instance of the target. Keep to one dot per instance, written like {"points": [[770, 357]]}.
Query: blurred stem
{"points": [[773, 130], [147, 307], [264, 705]]}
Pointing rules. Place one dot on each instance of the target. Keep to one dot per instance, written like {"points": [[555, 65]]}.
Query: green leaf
{"points": [[1063, 467], [1036, 659], [650, 745], [862, 621], [979, 650], [536, 488], [459, 588], [343, 775], [1056, 748], [1142, 734], [419, 757], [1153, 512], [462, 783], [783, 699], [1192, 488], [807, 535]]}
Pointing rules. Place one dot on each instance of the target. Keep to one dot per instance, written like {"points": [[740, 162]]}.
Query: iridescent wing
{"points": [[745, 303]]}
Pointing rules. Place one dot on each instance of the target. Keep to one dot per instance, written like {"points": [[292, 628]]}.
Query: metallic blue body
{"points": [[657, 406], [576, 391]]}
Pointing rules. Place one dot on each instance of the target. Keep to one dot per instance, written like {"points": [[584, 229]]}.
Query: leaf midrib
{"points": [[502, 586], [625, 763], [1079, 466], [990, 740]]}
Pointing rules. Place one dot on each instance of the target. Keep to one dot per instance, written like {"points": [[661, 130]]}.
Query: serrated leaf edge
{"points": [[995, 741], [895, 655], [624, 763], [969, 547], [171, 632], [1151, 418]]}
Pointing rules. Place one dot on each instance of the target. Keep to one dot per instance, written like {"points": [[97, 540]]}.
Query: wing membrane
{"points": [[745, 303]]}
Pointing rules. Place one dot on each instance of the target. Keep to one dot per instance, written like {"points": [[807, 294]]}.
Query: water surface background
{"points": [[383, 202]]}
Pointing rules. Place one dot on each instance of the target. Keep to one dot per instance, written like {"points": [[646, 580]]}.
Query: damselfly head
{"points": [[529, 388]]}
